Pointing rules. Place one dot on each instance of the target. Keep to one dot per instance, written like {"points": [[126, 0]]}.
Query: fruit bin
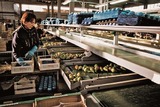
{"points": [[52, 38], [65, 49], [83, 73], [28, 68], [47, 63], [73, 56], [66, 100], [67, 55], [53, 44]]}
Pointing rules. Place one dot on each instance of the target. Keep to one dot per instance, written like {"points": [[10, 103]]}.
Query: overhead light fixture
{"points": [[68, 1], [110, 2], [100, 5], [117, 1]]}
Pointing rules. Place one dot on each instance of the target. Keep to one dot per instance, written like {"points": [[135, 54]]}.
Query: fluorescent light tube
{"points": [[101, 5], [68, 1], [117, 1]]}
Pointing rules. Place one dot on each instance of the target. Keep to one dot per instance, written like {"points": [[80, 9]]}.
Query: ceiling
{"points": [[129, 3]]}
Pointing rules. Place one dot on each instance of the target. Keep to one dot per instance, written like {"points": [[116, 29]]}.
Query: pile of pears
{"points": [[112, 68], [67, 56]]}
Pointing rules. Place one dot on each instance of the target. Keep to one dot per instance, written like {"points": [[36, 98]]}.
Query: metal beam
{"points": [[27, 2]]}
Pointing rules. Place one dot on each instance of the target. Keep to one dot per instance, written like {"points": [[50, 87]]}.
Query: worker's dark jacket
{"points": [[23, 41]]}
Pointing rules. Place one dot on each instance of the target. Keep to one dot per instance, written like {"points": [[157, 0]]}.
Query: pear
{"points": [[78, 74], [109, 68], [78, 79], [75, 79], [76, 67], [101, 69], [96, 68], [80, 67], [113, 69], [85, 69], [67, 72], [95, 65], [84, 66], [71, 76], [105, 68], [92, 69]]}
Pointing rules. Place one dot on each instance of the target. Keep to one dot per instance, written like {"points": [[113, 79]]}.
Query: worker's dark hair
{"points": [[39, 20], [28, 17]]}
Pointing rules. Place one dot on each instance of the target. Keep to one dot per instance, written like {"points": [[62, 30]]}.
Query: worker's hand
{"points": [[30, 53], [20, 61], [87, 53]]}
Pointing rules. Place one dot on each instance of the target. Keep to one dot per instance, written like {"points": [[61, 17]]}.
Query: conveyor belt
{"points": [[135, 96], [132, 57], [143, 65], [143, 50], [123, 44]]}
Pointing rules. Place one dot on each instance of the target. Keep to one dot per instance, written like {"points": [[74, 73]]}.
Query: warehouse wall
{"points": [[7, 10], [43, 15], [6, 6], [10, 11]]}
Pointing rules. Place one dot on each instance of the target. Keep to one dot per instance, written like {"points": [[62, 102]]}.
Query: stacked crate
{"points": [[47, 63], [77, 18], [3, 44], [24, 86], [68, 100], [131, 18], [28, 68]]}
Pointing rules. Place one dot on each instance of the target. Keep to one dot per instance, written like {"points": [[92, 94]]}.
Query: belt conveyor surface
{"points": [[135, 96]]}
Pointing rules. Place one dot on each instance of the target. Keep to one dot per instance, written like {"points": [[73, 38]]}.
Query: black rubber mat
{"points": [[136, 96]]}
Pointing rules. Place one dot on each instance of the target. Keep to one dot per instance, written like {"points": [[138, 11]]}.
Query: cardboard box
{"points": [[68, 100]]}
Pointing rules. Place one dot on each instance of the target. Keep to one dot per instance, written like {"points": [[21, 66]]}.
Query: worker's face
{"points": [[29, 25]]}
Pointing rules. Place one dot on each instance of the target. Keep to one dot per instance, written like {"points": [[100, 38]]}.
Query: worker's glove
{"points": [[86, 54], [30, 53], [20, 61]]}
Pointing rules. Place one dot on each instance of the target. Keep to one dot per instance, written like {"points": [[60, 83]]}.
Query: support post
{"points": [[115, 39]]}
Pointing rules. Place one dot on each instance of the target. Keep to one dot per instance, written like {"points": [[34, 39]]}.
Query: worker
{"points": [[40, 30], [25, 40]]}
